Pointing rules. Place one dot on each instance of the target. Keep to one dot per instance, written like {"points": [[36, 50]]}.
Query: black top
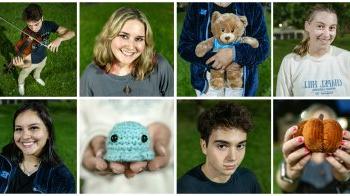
{"points": [[195, 181], [22, 183]]}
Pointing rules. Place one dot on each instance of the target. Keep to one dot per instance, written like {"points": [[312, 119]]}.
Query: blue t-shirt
{"points": [[195, 181], [39, 51]]}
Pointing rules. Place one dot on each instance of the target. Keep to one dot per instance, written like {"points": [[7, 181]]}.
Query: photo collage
{"points": [[174, 97]]}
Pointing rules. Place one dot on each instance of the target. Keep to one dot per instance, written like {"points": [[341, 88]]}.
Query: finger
{"points": [[346, 134], [289, 133], [161, 160], [160, 149], [101, 164], [215, 65], [344, 157], [129, 173], [291, 145], [54, 48], [116, 167], [294, 157], [210, 60], [91, 162], [345, 145], [138, 167], [301, 164], [336, 164], [17, 60], [97, 144]]}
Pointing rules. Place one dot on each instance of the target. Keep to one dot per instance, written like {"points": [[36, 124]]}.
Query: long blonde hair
{"points": [[303, 47], [103, 55]]}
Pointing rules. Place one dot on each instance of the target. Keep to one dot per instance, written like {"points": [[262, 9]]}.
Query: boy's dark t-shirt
{"points": [[195, 181], [39, 51]]}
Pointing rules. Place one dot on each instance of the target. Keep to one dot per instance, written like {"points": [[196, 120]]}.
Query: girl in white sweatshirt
{"points": [[316, 68]]}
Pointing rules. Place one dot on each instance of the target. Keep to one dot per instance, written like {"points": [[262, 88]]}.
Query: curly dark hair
{"points": [[226, 115]]}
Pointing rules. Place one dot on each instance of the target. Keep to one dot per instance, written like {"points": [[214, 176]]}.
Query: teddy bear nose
{"points": [[227, 38]]}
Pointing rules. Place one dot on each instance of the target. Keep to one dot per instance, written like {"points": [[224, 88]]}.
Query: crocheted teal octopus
{"points": [[128, 142]]}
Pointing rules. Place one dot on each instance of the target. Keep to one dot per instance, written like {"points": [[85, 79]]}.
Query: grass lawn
{"points": [[283, 47], [59, 73], [64, 118], [160, 16], [257, 157], [184, 87]]}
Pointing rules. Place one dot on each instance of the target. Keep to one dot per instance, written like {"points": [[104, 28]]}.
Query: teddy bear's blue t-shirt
{"points": [[217, 45]]}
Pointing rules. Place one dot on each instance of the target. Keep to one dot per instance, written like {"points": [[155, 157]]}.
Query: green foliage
{"points": [[64, 118], [257, 158], [160, 16], [59, 73], [184, 87]]}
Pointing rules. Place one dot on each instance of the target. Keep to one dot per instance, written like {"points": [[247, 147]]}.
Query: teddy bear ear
{"points": [[215, 15], [244, 20]]}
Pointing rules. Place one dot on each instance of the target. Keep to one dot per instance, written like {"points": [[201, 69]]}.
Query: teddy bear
{"points": [[227, 30]]}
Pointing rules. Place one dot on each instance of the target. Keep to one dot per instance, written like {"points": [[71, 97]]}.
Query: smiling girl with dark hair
{"points": [[29, 163]]}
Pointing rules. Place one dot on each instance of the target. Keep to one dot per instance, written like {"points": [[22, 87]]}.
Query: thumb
{"points": [[99, 149], [98, 145], [160, 149]]}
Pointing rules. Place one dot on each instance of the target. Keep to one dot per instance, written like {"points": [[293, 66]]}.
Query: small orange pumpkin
{"points": [[320, 135]]}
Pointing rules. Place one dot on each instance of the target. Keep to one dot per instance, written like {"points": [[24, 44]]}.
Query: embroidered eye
{"points": [[144, 138], [114, 138]]}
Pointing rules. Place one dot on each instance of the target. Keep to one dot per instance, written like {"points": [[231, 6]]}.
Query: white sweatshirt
{"points": [[328, 75], [97, 117]]}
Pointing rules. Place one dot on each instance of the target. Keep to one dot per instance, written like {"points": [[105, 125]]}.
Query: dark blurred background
{"points": [[287, 113]]}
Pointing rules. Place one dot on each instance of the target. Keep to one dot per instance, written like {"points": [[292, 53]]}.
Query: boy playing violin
{"points": [[33, 16]]}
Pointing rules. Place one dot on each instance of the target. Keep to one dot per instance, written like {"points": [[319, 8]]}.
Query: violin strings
{"points": [[14, 26]]}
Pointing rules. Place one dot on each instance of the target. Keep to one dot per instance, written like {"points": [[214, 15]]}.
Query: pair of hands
{"points": [[93, 154], [53, 47], [297, 155]]}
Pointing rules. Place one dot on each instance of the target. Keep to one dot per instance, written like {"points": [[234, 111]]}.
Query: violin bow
{"points": [[14, 26]]}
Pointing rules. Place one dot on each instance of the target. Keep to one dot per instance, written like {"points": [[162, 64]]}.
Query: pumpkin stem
{"points": [[321, 117]]}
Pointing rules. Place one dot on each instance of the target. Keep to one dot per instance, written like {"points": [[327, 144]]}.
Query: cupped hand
{"points": [[340, 159], [295, 154]]}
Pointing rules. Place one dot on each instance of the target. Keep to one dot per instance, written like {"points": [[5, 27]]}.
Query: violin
{"points": [[23, 47]]}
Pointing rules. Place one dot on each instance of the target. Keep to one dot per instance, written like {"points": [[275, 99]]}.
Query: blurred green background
{"points": [[258, 156], [63, 114], [93, 16], [294, 15], [184, 87], [59, 73]]}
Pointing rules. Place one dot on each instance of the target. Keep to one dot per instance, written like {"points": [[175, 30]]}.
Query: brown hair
{"points": [[32, 12], [223, 115], [303, 47]]}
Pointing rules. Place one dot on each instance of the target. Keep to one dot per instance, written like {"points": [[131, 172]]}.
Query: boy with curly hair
{"points": [[223, 131]]}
